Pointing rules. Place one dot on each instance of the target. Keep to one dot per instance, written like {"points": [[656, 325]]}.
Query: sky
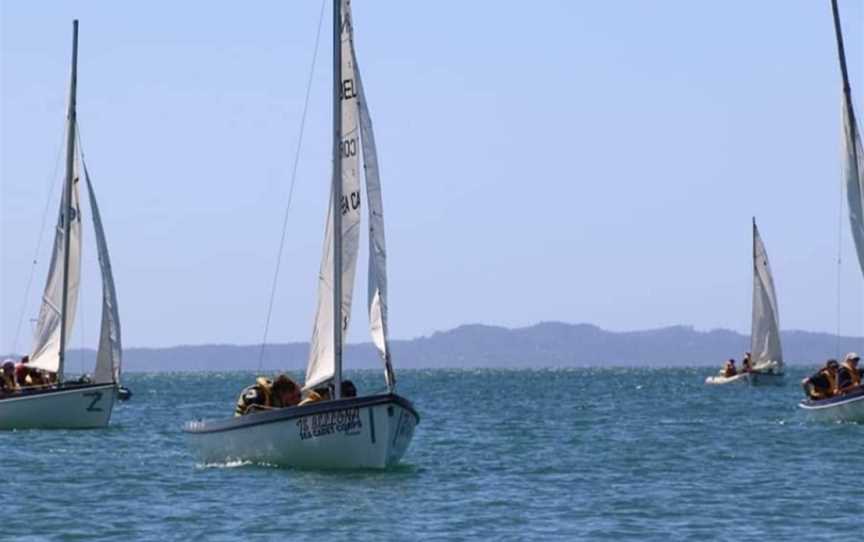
{"points": [[590, 162]]}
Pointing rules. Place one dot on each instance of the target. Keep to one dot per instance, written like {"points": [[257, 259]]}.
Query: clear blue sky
{"points": [[577, 161]]}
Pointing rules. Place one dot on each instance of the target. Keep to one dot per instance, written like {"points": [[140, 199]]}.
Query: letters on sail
{"points": [[765, 333], [46, 343], [321, 364]]}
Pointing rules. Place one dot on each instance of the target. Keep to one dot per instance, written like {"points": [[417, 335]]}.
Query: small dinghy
{"points": [[85, 403], [849, 406], [843, 408], [766, 352], [342, 433]]}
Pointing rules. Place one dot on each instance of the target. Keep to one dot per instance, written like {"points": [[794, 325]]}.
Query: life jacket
{"points": [[855, 375], [260, 393], [821, 392], [8, 382]]}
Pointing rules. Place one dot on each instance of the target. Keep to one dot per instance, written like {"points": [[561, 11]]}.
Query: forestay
{"points": [[321, 366], [377, 291], [765, 333], [46, 343], [109, 356]]}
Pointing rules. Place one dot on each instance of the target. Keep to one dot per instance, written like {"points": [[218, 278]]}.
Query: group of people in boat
{"points": [[282, 392], [21, 377], [834, 379], [729, 369]]}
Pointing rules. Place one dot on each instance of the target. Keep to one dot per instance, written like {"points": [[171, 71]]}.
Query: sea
{"points": [[552, 454]]}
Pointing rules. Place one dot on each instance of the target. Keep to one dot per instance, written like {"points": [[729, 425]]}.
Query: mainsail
{"points": [[321, 366], [108, 358], [765, 333], [853, 172], [377, 291], [46, 343], [853, 154]]}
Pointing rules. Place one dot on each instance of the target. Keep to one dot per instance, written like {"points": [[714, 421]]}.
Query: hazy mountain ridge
{"points": [[547, 344]]}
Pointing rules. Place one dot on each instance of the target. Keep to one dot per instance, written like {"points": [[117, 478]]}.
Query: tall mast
{"points": [[841, 52], [337, 198], [753, 308], [67, 195]]}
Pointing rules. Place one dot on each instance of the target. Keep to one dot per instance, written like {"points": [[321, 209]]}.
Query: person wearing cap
{"points": [[7, 378], [849, 376], [823, 383], [729, 368], [746, 363], [268, 394]]}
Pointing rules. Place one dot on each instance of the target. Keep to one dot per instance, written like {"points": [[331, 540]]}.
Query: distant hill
{"points": [[548, 344]]}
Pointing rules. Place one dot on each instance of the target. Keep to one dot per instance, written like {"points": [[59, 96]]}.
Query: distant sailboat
{"points": [[848, 407], [765, 349], [360, 432], [70, 405]]}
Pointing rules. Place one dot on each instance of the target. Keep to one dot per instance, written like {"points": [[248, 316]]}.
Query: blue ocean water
{"points": [[595, 454]]}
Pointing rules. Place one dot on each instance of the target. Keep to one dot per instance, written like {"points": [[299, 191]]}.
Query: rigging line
{"points": [[291, 187], [839, 265], [52, 182]]}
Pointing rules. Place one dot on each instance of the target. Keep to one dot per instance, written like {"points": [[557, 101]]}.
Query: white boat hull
{"points": [[740, 378], [78, 407], [753, 378], [364, 432], [845, 408]]}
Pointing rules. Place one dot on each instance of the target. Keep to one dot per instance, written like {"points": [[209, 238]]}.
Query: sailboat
{"points": [[765, 349], [346, 432], [85, 403], [850, 406]]}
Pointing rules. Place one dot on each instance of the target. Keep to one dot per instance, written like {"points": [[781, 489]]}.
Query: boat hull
{"points": [[75, 407], [355, 433], [717, 380], [845, 408]]}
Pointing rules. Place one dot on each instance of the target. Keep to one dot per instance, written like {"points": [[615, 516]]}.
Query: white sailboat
{"points": [[765, 349], [848, 407], [358, 432], [67, 405]]}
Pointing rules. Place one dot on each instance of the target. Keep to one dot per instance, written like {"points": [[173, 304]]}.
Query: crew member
{"points": [[746, 363], [323, 394], [729, 368], [849, 376], [7, 377], [267, 394], [823, 383]]}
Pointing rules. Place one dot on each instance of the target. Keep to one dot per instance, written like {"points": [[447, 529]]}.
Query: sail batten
{"points": [[765, 346]]}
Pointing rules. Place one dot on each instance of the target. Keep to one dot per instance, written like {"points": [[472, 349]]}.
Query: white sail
{"points": [[109, 355], [853, 171], [46, 343], [377, 300], [321, 366], [765, 334]]}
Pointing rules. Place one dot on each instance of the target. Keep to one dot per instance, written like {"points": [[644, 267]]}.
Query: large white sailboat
{"points": [[850, 406], [357, 432], [67, 405], [765, 349]]}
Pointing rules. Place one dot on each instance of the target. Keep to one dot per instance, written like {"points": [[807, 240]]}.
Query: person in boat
{"points": [[323, 394], [849, 376], [823, 383], [746, 363], [729, 368], [8, 384], [22, 370], [268, 394]]}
